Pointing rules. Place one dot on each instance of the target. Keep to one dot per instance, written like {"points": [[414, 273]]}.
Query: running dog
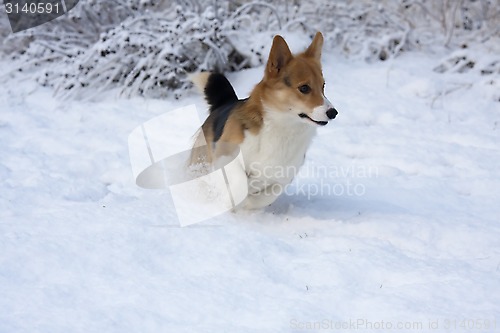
{"points": [[273, 127]]}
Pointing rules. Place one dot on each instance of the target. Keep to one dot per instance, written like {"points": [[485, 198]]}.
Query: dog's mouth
{"points": [[320, 123]]}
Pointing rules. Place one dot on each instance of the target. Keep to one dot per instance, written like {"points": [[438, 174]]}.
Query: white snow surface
{"points": [[83, 249]]}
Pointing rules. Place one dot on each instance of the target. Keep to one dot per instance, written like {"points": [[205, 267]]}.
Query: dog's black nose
{"points": [[331, 113]]}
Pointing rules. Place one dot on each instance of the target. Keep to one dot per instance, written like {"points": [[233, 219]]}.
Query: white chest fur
{"points": [[275, 154]]}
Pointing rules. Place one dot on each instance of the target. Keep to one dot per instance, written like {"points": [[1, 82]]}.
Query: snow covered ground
{"points": [[391, 226]]}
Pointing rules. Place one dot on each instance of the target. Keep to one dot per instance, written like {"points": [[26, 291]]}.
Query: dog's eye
{"points": [[324, 86], [305, 89]]}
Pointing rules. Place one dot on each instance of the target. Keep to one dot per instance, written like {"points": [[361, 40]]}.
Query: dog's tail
{"points": [[216, 88]]}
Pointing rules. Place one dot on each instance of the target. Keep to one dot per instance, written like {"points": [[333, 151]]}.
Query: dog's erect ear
{"points": [[279, 56], [314, 50]]}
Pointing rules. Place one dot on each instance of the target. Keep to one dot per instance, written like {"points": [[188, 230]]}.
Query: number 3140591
{"points": [[32, 8]]}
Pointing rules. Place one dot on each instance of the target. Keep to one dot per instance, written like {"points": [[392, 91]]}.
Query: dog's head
{"points": [[295, 84]]}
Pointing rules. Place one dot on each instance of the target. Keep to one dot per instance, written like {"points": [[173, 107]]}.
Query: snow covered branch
{"points": [[146, 47]]}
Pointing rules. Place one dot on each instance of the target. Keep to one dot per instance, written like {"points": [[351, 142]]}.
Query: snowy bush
{"points": [[361, 28], [378, 30], [72, 33], [152, 54], [146, 47], [464, 61], [485, 67]]}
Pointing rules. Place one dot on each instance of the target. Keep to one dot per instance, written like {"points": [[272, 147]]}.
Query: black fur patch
{"points": [[219, 92], [222, 99], [220, 116], [219, 119]]}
